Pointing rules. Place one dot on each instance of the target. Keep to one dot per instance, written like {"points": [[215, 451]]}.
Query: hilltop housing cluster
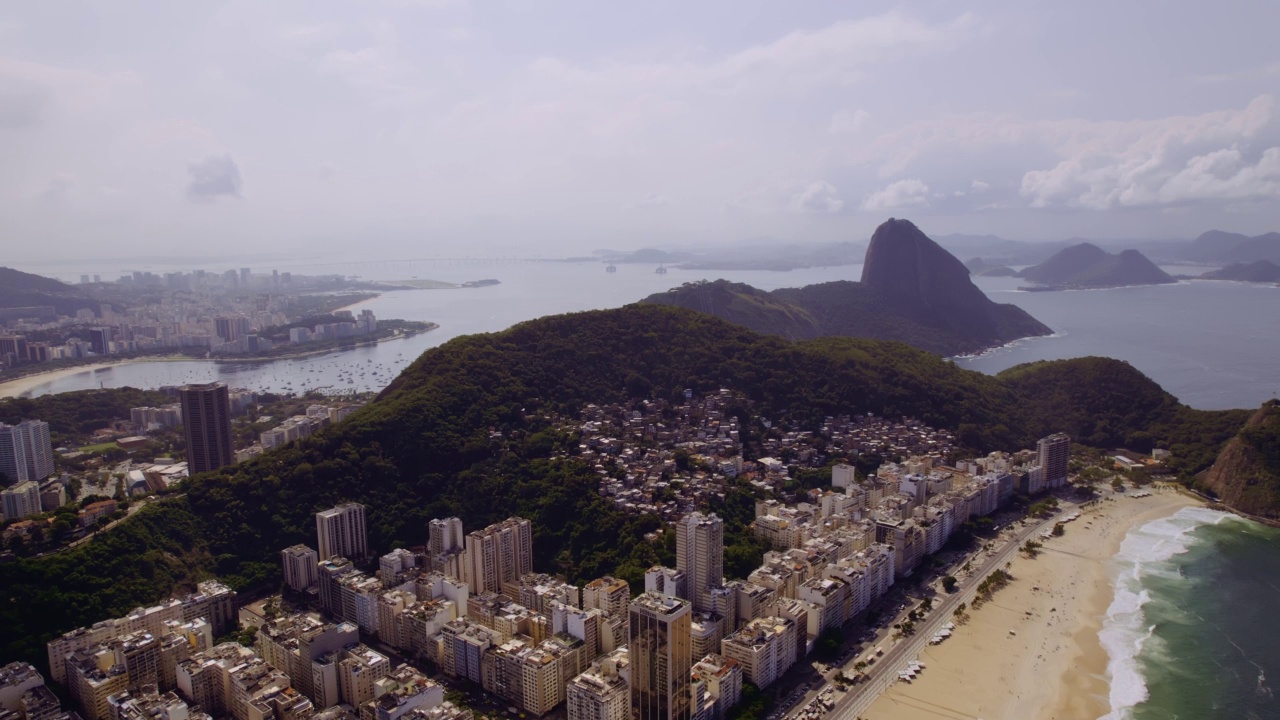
{"points": [[471, 605]]}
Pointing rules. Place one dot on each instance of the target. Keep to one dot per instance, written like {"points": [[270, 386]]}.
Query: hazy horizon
{"points": [[421, 128]]}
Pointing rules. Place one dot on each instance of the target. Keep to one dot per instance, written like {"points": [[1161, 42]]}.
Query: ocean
{"points": [[1212, 344], [1192, 632]]}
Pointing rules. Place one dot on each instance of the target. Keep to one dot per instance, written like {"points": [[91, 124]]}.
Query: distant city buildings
{"points": [[196, 313], [206, 417]]}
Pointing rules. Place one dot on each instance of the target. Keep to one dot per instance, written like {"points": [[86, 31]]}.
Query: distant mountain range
{"points": [[1089, 266], [1212, 248], [911, 290], [24, 290], [978, 266]]}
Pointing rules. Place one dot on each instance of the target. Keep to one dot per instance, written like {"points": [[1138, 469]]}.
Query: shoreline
{"points": [[18, 387], [1034, 650]]}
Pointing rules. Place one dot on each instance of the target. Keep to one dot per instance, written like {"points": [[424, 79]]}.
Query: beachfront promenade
{"points": [[884, 673]]}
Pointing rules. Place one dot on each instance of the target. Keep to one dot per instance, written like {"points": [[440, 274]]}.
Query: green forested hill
{"points": [[73, 416], [458, 434], [20, 289]]}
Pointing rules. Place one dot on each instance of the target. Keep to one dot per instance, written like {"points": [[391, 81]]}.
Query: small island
{"points": [[982, 268], [1088, 267], [1259, 271]]}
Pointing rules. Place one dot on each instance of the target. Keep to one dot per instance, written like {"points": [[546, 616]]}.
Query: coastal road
{"points": [[885, 672]]}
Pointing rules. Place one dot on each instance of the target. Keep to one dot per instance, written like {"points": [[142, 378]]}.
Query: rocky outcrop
{"points": [[1246, 475], [912, 290]]}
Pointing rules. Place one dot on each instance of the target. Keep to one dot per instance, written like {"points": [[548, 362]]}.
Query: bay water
{"points": [[1212, 344]]}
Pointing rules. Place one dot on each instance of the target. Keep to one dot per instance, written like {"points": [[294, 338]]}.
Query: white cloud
{"points": [[1224, 175], [899, 194], [978, 186], [1170, 160], [213, 177], [818, 196], [847, 122]]}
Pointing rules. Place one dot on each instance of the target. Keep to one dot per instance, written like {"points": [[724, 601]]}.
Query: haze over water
{"points": [[1212, 344]]}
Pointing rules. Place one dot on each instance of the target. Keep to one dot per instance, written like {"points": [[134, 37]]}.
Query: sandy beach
{"points": [[18, 386], [1052, 666]]}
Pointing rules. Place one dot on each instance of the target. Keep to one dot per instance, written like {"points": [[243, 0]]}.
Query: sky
{"points": [[419, 128]]}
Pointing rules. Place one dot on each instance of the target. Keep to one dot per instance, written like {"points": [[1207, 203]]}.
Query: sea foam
{"points": [[1145, 552]]}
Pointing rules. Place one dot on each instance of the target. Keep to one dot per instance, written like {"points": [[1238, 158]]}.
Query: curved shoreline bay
{"points": [[1207, 343]]}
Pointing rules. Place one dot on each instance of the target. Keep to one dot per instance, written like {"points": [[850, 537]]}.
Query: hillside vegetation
{"points": [[459, 433], [20, 289], [73, 416]]}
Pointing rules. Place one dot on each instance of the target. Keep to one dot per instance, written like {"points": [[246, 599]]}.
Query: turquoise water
{"points": [[1193, 630]]}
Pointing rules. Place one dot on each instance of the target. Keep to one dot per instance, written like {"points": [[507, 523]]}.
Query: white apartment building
{"points": [[500, 553], [341, 532], [299, 563]]}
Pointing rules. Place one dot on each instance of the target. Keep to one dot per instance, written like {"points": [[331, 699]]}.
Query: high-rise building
{"points": [[16, 679], [599, 693], [1055, 453], [608, 595], [206, 418], [502, 552], [660, 656], [231, 329], [844, 476], [100, 340], [445, 535], [20, 500], [300, 571], [700, 554], [446, 547], [26, 452], [341, 532], [13, 349], [765, 648]]}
